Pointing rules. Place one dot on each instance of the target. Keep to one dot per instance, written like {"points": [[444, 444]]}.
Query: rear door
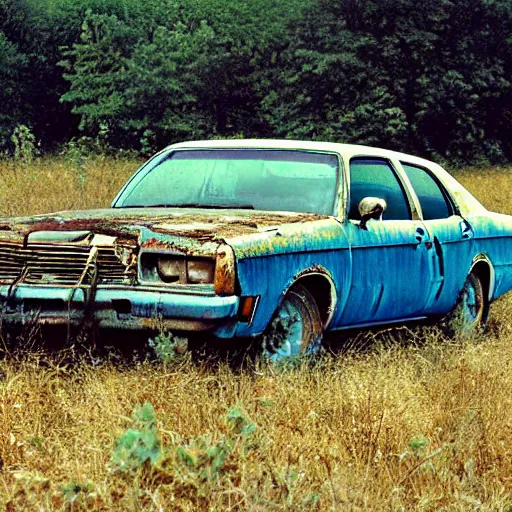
{"points": [[451, 235], [391, 260]]}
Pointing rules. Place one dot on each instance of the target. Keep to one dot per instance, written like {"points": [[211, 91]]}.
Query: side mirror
{"points": [[371, 208]]}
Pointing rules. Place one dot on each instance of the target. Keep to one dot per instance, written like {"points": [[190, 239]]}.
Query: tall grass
{"points": [[55, 184], [413, 422]]}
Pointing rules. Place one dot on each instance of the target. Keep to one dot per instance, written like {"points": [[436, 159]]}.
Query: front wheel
{"points": [[296, 329], [472, 311]]}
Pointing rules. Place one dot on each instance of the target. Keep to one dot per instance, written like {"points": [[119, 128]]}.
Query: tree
{"points": [[14, 103]]}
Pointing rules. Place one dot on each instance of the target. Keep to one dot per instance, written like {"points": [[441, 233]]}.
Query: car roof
{"points": [[347, 150]]}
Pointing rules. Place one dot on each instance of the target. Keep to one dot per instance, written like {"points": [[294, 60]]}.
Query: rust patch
{"points": [[204, 226], [227, 226], [198, 233], [315, 269], [225, 271], [110, 228], [155, 244]]}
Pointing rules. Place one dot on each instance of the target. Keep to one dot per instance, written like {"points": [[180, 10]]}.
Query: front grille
{"points": [[60, 264], [111, 270]]}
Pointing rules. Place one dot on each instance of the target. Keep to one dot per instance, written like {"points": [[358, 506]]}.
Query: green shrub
{"points": [[138, 445], [169, 348], [25, 149]]}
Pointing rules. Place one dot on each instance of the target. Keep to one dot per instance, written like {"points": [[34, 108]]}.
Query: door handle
{"points": [[465, 229], [420, 235]]}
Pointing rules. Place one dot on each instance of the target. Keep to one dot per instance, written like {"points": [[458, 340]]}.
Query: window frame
{"points": [[405, 187], [452, 207]]}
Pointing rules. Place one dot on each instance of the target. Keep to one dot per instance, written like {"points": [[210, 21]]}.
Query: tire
{"points": [[296, 329], [472, 310]]}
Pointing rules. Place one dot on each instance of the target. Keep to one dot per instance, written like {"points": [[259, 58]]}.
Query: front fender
{"points": [[268, 263], [271, 277]]}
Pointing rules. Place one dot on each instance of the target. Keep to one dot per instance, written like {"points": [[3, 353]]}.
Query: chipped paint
{"points": [[225, 271], [288, 238], [313, 270]]}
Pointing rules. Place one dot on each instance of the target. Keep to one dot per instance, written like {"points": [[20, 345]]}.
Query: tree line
{"points": [[433, 77]]}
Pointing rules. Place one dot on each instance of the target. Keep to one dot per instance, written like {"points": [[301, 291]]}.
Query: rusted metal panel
{"points": [[52, 263], [268, 264]]}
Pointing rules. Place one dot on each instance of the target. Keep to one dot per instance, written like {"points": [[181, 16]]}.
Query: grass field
{"points": [[412, 422]]}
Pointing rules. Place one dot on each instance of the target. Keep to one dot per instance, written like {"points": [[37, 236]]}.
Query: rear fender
{"points": [[490, 284]]}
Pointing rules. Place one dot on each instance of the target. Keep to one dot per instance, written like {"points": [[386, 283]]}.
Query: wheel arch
{"points": [[320, 284], [483, 268]]}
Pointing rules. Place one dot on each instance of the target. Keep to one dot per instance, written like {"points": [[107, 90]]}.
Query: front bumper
{"points": [[117, 307]]}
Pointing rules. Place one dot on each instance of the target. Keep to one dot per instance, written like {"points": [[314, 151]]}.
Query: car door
{"points": [[391, 261], [451, 235]]}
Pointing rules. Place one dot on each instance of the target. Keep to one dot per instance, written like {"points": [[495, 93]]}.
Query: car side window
{"points": [[374, 177], [433, 199]]}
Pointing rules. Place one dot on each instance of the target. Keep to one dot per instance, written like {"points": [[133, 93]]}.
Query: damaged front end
{"points": [[116, 276]]}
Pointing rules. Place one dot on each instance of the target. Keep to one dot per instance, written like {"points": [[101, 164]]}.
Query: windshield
{"points": [[275, 180]]}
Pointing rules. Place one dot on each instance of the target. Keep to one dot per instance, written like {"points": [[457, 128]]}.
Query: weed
{"points": [[75, 494], [169, 349], [138, 445], [25, 149], [418, 444]]}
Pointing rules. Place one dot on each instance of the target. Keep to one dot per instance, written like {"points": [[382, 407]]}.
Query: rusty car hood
{"points": [[188, 227]]}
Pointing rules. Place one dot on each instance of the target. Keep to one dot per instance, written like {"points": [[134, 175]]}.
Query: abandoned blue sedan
{"points": [[276, 240]]}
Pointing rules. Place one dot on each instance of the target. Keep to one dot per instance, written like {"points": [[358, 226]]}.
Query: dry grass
{"points": [[55, 184], [415, 422]]}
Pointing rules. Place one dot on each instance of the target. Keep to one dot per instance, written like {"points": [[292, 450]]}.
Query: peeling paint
{"points": [[225, 272], [288, 238], [314, 269]]}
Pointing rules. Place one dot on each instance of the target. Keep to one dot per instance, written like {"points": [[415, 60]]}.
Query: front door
{"points": [[392, 264]]}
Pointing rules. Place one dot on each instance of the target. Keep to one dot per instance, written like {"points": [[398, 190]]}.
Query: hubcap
{"points": [[472, 308], [285, 339]]}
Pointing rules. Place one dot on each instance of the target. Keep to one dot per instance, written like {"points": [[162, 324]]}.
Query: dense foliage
{"points": [[433, 78]]}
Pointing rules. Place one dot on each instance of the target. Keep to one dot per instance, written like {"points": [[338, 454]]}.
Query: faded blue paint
{"points": [[394, 256], [493, 237], [451, 256], [285, 255], [394, 271], [253, 272], [320, 235]]}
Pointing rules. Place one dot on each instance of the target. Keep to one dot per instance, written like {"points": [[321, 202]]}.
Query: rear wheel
{"points": [[472, 311], [296, 329]]}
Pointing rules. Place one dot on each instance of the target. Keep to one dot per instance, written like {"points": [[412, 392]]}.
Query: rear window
{"points": [[433, 198]]}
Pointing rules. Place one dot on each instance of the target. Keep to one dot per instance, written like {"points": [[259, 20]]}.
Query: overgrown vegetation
{"points": [[401, 420], [432, 78], [414, 423]]}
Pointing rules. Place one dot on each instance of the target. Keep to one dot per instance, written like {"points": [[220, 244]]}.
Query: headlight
{"points": [[171, 270], [219, 270], [180, 270], [200, 271]]}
